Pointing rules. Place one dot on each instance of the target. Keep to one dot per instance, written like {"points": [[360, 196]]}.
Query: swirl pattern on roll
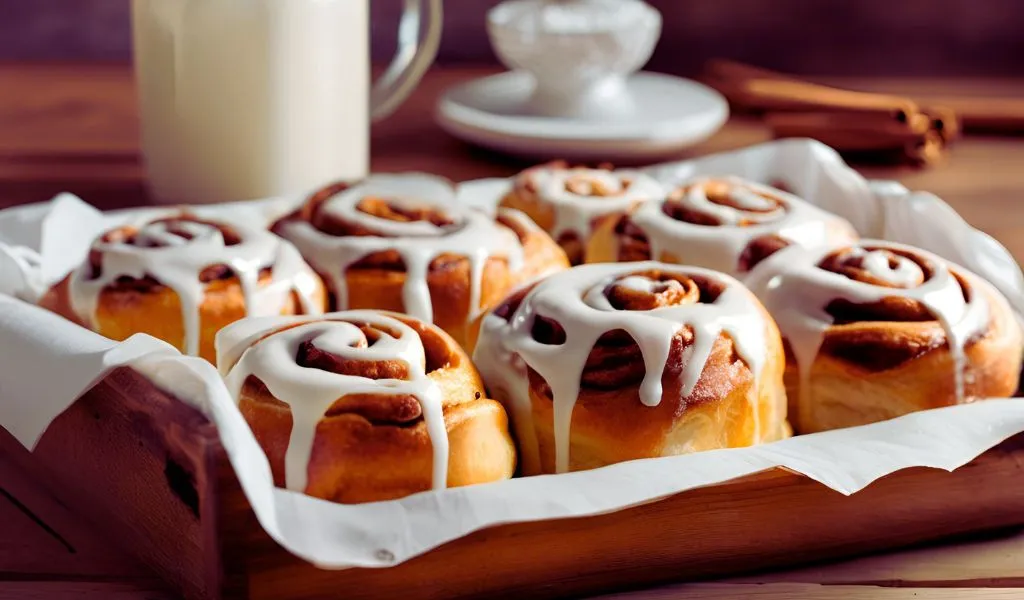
{"points": [[727, 224], [401, 223], [810, 290], [610, 325], [186, 253], [567, 201], [363, 361]]}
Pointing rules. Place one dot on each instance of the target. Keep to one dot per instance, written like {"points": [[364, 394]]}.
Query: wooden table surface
{"points": [[74, 128]]}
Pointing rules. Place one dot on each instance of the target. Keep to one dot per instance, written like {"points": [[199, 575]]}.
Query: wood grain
{"points": [[49, 590], [43, 537], [134, 462]]}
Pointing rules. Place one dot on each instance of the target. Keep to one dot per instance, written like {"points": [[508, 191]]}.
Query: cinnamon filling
{"points": [[382, 208], [573, 247], [379, 409], [311, 357], [585, 184], [633, 243], [511, 304], [395, 409], [437, 350], [759, 249], [175, 226], [662, 293], [616, 359], [580, 184], [391, 260], [890, 309], [874, 349], [853, 266], [720, 193]]}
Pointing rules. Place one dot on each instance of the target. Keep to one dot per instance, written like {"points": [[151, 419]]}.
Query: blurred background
{"points": [[835, 37]]}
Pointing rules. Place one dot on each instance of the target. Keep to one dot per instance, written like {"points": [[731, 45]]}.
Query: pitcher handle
{"points": [[411, 61]]}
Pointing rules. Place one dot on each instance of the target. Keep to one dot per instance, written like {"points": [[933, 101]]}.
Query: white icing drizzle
{"points": [[471, 234], [176, 261], [796, 292], [576, 211], [720, 247], [309, 392], [576, 299], [891, 268]]}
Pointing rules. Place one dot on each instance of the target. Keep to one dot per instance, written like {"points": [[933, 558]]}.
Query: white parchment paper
{"points": [[40, 243]]}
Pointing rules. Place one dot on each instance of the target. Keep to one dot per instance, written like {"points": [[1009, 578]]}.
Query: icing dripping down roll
{"points": [[364, 405], [605, 363], [727, 224], [568, 202], [403, 243], [876, 329], [182, 278]]}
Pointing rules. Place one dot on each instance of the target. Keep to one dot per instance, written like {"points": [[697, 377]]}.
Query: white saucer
{"points": [[670, 114]]}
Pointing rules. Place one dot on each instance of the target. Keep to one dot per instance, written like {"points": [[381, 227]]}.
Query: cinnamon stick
{"points": [[865, 135], [755, 89], [783, 95], [890, 127], [848, 130], [988, 115]]}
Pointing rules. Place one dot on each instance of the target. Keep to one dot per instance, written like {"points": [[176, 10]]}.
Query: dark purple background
{"points": [[890, 37]]}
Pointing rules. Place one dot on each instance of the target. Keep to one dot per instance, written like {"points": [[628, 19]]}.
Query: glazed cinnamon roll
{"points": [[876, 330], [567, 202], [181, 279], [606, 363], [364, 405], [403, 243], [727, 224]]}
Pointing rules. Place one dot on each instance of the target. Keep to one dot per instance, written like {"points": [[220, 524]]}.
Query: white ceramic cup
{"points": [[578, 52], [243, 99]]}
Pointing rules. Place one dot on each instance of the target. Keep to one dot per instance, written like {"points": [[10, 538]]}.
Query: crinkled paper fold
{"points": [[40, 243]]}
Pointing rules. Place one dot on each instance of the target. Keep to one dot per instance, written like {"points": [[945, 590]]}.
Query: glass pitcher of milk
{"points": [[243, 99]]}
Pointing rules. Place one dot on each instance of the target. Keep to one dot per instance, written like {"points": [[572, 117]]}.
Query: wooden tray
{"points": [[149, 472]]}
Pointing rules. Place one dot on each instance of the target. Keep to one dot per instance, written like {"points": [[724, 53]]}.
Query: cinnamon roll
{"points": [[606, 363], [181, 279], [402, 243], [364, 405], [876, 330], [727, 224], [567, 202]]}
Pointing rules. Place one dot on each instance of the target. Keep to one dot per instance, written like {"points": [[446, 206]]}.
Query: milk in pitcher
{"points": [[244, 99]]}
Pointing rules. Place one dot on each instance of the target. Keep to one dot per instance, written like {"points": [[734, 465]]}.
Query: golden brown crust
{"points": [[370, 448], [878, 369], [876, 336], [609, 422], [131, 306], [377, 280], [128, 305], [524, 197]]}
